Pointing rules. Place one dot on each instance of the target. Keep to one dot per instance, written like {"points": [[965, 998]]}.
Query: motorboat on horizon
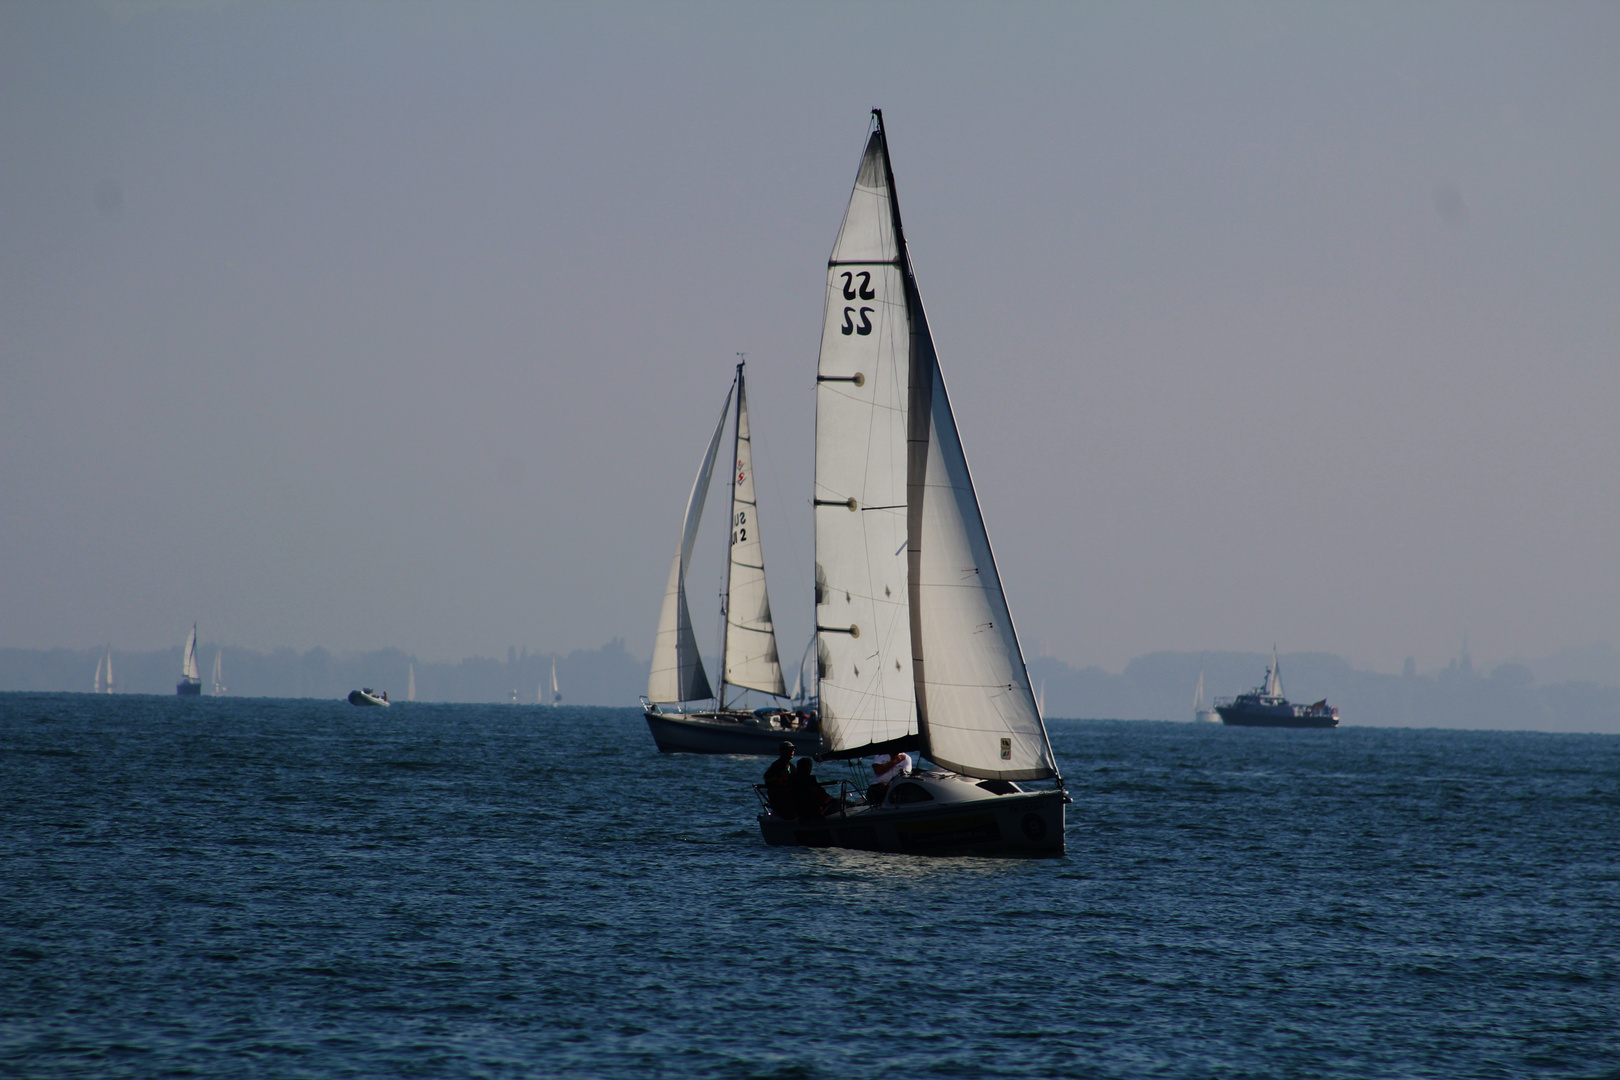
{"points": [[1265, 706]]}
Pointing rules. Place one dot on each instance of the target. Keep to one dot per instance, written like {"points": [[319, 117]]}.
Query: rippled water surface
{"points": [[228, 887]]}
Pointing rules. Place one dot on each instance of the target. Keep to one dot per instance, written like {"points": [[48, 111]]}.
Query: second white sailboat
{"points": [[749, 659]]}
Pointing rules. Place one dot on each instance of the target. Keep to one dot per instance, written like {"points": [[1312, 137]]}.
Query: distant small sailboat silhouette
{"points": [[190, 684], [410, 685], [219, 685], [1203, 713]]}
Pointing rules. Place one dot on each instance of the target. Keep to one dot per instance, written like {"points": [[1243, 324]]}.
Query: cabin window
{"points": [[999, 787], [909, 793]]}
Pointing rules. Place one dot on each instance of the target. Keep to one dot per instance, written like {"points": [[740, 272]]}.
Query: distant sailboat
{"points": [[1203, 714], [99, 662], [748, 653], [219, 684], [109, 670], [190, 684], [410, 685], [556, 692]]}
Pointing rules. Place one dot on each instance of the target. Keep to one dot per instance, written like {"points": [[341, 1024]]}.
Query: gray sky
{"points": [[362, 325]]}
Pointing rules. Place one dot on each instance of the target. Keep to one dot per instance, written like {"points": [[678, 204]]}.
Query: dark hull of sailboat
{"points": [[719, 733], [1023, 825], [188, 689]]}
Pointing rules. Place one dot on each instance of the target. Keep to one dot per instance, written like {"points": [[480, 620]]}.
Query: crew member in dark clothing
{"points": [[809, 801], [777, 780]]}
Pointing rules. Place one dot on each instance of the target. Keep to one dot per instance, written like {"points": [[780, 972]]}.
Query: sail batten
{"points": [[677, 670]]}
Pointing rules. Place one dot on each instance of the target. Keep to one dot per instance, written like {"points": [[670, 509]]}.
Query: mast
{"points": [[725, 622]]}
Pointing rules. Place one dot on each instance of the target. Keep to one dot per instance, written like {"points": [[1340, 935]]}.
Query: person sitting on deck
{"points": [[777, 779], [808, 799], [886, 767]]}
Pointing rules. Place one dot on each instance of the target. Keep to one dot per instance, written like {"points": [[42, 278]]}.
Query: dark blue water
{"points": [[225, 888]]}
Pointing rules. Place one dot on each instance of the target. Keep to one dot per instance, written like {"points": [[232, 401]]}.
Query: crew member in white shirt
{"points": [[886, 767]]}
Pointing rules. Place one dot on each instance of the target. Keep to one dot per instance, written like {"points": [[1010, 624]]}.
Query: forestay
{"points": [[677, 669], [751, 659], [863, 622]]}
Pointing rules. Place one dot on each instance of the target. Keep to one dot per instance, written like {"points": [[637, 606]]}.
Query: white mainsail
{"points": [[677, 669], [916, 641], [556, 691], [99, 662], [751, 659], [109, 670], [1274, 686], [188, 666], [410, 684], [863, 611], [218, 680]]}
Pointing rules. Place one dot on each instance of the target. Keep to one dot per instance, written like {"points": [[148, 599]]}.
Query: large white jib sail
{"points": [[751, 660], [916, 645], [677, 669]]}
